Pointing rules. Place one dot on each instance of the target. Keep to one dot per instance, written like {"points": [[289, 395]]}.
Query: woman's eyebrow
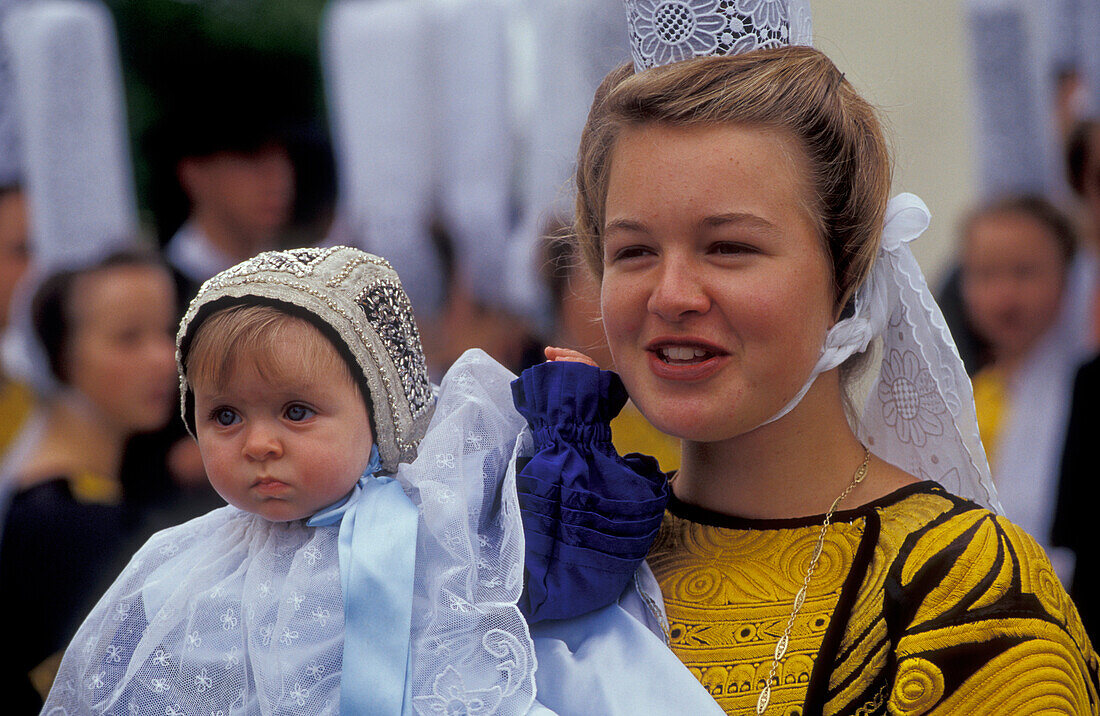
{"points": [[624, 225], [739, 218]]}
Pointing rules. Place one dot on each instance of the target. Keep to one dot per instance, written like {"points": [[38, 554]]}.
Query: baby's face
{"points": [[283, 448]]}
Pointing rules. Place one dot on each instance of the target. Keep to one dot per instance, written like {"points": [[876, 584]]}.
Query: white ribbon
{"points": [[920, 414]]}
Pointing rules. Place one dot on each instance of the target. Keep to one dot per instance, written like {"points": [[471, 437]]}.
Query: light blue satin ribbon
{"points": [[377, 548]]}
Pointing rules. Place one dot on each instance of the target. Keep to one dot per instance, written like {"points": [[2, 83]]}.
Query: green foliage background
{"points": [[169, 45]]}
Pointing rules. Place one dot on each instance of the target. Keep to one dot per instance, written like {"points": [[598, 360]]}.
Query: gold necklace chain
{"points": [[784, 641]]}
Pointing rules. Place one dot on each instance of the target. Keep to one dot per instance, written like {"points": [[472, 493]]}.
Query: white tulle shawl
{"points": [[232, 614]]}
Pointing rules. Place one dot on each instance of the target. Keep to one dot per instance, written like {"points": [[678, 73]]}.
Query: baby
{"points": [[371, 556]]}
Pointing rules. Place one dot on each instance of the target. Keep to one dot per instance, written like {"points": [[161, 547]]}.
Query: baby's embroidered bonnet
{"points": [[357, 301]]}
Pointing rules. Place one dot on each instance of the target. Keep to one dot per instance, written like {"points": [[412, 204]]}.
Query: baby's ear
{"points": [[566, 354]]}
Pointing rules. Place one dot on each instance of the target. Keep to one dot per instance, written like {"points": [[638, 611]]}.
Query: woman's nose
{"points": [[679, 291]]}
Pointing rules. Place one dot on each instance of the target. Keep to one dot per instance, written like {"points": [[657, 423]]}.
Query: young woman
{"points": [[107, 333], [734, 208], [1017, 260]]}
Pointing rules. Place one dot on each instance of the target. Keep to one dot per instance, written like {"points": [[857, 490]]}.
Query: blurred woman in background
{"points": [[1016, 259], [107, 332]]}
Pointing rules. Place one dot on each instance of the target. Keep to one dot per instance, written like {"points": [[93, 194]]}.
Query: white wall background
{"points": [[910, 60]]}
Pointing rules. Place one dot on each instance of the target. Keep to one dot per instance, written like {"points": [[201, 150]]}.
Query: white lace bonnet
{"points": [[919, 414], [357, 300]]}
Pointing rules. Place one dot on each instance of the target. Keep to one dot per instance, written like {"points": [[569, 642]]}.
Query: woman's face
{"points": [[1012, 280], [122, 352], [717, 291]]}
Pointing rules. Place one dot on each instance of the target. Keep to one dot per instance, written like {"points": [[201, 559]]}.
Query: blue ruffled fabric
{"points": [[589, 515]]}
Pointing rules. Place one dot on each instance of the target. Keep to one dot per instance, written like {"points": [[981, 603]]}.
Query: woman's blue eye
{"points": [[224, 416], [297, 413]]}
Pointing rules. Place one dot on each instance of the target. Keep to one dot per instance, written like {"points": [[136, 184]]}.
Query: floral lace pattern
{"points": [[230, 613], [920, 414], [910, 402], [664, 31], [180, 632]]}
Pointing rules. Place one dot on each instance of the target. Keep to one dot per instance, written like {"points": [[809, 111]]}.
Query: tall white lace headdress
{"points": [[664, 31], [919, 413], [72, 118], [375, 55]]}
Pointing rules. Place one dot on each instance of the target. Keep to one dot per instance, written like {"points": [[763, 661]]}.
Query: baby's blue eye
{"points": [[298, 413], [224, 416]]}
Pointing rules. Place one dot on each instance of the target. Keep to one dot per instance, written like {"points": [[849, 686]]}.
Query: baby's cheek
{"points": [[218, 471]]}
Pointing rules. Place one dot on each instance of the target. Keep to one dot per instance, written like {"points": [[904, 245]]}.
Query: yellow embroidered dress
{"points": [[922, 602]]}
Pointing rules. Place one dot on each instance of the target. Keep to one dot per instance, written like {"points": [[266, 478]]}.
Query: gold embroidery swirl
{"points": [[918, 687]]}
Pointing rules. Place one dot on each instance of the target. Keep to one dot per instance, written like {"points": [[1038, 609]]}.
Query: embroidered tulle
{"points": [[920, 413], [230, 613], [664, 31], [589, 515]]}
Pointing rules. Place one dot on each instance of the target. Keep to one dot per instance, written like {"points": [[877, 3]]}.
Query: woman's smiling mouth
{"points": [[685, 360], [682, 354]]}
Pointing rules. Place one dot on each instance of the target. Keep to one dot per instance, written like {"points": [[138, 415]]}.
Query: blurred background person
{"points": [[1083, 174], [575, 300], [1080, 467], [231, 165], [16, 398], [1074, 523], [466, 321], [1016, 257], [107, 331]]}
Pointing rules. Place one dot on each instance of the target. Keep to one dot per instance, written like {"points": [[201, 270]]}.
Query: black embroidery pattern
{"points": [[389, 312]]}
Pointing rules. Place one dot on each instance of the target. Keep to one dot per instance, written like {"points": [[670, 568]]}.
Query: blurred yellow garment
{"points": [[991, 402], [631, 432], [16, 401], [88, 487]]}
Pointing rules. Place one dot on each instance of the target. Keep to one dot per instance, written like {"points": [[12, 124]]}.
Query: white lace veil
{"points": [[919, 414]]}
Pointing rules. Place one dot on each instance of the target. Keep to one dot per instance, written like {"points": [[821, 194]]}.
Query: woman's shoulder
{"points": [[973, 607], [931, 532], [959, 563], [926, 521]]}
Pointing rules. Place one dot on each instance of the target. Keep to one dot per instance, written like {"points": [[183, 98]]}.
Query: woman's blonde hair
{"points": [[796, 90]]}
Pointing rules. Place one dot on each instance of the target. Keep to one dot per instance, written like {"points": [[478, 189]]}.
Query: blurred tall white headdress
{"points": [[1013, 69], [566, 48], [11, 163], [664, 31], [73, 148], [473, 155], [376, 57], [76, 150]]}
